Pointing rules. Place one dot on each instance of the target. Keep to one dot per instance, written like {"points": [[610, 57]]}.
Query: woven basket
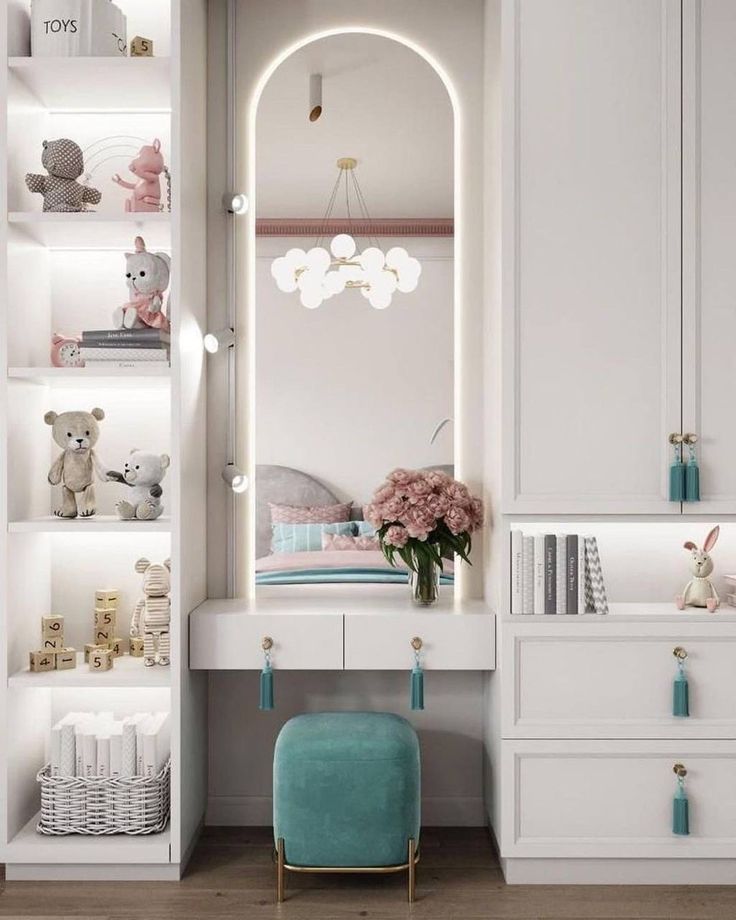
{"points": [[100, 805]]}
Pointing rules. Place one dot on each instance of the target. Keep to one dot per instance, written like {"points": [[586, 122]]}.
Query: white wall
{"points": [[347, 393]]}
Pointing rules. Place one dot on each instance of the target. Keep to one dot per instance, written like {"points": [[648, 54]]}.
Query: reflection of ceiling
{"points": [[382, 104]]}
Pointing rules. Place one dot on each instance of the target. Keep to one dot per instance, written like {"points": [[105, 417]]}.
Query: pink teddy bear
{"points": [[148, 166]]}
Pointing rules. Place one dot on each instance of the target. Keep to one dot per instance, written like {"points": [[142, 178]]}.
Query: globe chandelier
{"points": [[319, 273]]}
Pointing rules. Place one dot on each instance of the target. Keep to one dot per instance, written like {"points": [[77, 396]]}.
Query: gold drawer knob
{"points": [[267, 643], [679, 770], [416, 643], [679, 652]]}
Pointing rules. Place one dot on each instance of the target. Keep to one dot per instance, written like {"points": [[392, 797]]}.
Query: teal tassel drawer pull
{"points": [[266, 684], [680, 807], [677, 470], [692, 471], [680, 691], [417, 677]]}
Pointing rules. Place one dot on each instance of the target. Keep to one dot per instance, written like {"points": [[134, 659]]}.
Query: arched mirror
{"points": [[354, 305]]}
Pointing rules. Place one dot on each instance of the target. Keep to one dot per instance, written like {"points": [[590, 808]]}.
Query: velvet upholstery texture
{"points": [[346, 789]]}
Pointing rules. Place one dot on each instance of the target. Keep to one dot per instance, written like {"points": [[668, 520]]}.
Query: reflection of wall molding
{"points": [[386, 226]]}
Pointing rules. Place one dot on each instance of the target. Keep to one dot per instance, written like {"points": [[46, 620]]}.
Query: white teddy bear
{"points": [[143, 473]]}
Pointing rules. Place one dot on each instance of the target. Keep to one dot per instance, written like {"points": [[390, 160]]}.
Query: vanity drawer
{"points": [[308, 642], [593, 799], [609, 680], [450, 642]]}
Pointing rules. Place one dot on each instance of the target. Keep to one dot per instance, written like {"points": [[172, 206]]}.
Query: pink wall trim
{"points": [[391, 226]]}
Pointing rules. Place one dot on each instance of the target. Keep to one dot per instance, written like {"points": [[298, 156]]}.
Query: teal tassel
{"points": [[680, 816], [680, 696], [692, 480], [266, 700], [677, 479], [417, 688]]}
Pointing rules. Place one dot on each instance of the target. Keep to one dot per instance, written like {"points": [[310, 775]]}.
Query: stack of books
{"points": [[556, 574], [125, 347]]}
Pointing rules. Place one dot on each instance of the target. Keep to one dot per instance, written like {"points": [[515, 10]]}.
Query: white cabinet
{"points": [[709, 229], [591, 225]]}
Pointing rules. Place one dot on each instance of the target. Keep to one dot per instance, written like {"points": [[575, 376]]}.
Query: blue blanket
{"points": [[338, 576]]}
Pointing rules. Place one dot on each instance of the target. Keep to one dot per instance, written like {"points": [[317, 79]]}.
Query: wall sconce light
{"points": [[315, 96], [214, 341], [235, 202], [235, 478]]}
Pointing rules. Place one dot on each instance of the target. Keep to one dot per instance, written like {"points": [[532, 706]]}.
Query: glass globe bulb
{"points": [[311, 298], [286, 282], [334, 282], [318, 260], [296, 258], [372, 259], [379, 300], [397, 257], [343, 246]]}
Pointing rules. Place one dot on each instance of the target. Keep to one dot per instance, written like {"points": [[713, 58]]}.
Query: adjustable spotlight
{"points": [[235, 478], [235, 202], [315, 96], [214, 341]]}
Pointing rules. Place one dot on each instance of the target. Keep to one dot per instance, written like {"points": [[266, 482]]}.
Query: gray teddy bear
{"points": [[64, 163]]}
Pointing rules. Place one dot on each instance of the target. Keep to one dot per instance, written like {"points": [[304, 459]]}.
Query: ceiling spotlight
{"points": [[235, 202], [235, 478], [315, 96], [214, 341]]}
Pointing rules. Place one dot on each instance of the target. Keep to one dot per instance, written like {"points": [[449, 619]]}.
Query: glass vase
{"points": [[425, 581]]}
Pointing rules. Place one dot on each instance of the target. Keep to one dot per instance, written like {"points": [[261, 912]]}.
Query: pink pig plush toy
{"points": [[147, 166]]}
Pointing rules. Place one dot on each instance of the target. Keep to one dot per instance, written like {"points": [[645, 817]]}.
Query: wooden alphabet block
{"points": [[104, 635], [108, 598], [101, 659], [91, 647], [105, 616], [52, 627], [42, 661], [119, 647], [141, 47], [136, 648], [52, 645], [66, 659]]}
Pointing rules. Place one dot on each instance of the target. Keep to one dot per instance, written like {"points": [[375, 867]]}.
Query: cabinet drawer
{"points": [[309, 642], [608, 680], [596, 798], [451, 642]]}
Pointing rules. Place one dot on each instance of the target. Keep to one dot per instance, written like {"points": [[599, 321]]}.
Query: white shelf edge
{"points": [[126, 672], [98, 524], [159, 373], [81, 217]]}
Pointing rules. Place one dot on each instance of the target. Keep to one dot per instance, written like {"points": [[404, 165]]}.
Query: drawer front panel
{"points": [[451, 642], [609, 685], [307, 643], [591, 799]]}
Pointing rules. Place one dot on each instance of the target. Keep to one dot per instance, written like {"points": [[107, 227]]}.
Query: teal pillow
{"points": [[304, 538], [365, 529]]}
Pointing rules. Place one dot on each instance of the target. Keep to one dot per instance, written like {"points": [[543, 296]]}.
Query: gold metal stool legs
{"points": [[280, 871], [412, 871]]}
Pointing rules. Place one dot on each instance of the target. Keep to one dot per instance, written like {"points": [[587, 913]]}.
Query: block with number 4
{"points": [[118, 647], [66, 659], [101, 659], [136, 648], [52, 627], [42, 661]]}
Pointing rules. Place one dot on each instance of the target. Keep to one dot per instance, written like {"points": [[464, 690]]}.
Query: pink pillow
{"points": [[310, 514], [339, 541]]}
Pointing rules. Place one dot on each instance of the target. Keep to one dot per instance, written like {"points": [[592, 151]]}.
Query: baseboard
{"points": [[257, 811], [530, 871], [109, 872]]}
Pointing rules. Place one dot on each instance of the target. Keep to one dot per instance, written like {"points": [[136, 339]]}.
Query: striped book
{"points": [[130, 338], [91, 353]]}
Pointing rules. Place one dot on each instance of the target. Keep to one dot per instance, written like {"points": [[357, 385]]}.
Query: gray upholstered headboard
{"points": [[286, 486]]}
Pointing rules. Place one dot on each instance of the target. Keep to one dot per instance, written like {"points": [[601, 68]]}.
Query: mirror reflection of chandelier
{"points": [[319, 274]]}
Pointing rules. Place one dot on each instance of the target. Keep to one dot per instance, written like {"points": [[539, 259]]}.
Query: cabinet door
{"points": [[709, 246], [591, 242]]}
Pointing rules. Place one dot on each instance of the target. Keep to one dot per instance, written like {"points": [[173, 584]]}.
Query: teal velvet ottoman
{"points": [[346, 793]]}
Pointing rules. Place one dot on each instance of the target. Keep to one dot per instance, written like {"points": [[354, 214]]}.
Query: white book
{"points": [[79, 728], [527, 569], [89, 750], [516, 571], [61, 753], [581, 575], [539, 573], [156, 738], [116, 750], [561, 599], [128, 757], [103, 754]]}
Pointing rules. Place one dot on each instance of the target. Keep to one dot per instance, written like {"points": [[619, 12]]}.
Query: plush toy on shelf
{"points": [[64, 163], [142, 473], [152, 613], [76, 433], [147, 275], [700, 590], [147, 166], [65, 351]]}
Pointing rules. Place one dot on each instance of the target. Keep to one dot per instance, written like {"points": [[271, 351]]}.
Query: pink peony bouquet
{"points": [[424, 516]]}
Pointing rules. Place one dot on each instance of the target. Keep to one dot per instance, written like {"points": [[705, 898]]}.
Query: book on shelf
{"points": [[139, 365], [125, 338], [556, 574], [93, 353]]}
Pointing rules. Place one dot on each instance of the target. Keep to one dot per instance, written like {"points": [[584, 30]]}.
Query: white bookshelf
{"points": [[65, 272]]}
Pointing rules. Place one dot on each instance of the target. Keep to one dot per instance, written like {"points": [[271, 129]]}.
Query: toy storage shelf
{"points": [[92, 230], [126, 672], [30, 847], [101, 523], [92, 84], [157, 375]]}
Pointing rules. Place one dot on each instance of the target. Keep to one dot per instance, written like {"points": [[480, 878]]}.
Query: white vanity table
{"points": [[368, 630]]}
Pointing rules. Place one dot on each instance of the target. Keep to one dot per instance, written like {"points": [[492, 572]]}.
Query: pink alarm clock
{"points": [[65, 351]]}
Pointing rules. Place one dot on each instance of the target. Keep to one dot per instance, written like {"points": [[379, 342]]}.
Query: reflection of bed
{"points": [[284, 485]]}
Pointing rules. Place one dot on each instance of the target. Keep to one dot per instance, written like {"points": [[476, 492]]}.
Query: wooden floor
{"points": [[231, 876]]}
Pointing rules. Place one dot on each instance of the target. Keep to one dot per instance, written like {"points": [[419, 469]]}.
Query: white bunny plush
{"points": [[699, 591]]}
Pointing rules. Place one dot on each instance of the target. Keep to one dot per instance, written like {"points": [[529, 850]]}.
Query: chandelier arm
{"points": [[328, 211]]}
